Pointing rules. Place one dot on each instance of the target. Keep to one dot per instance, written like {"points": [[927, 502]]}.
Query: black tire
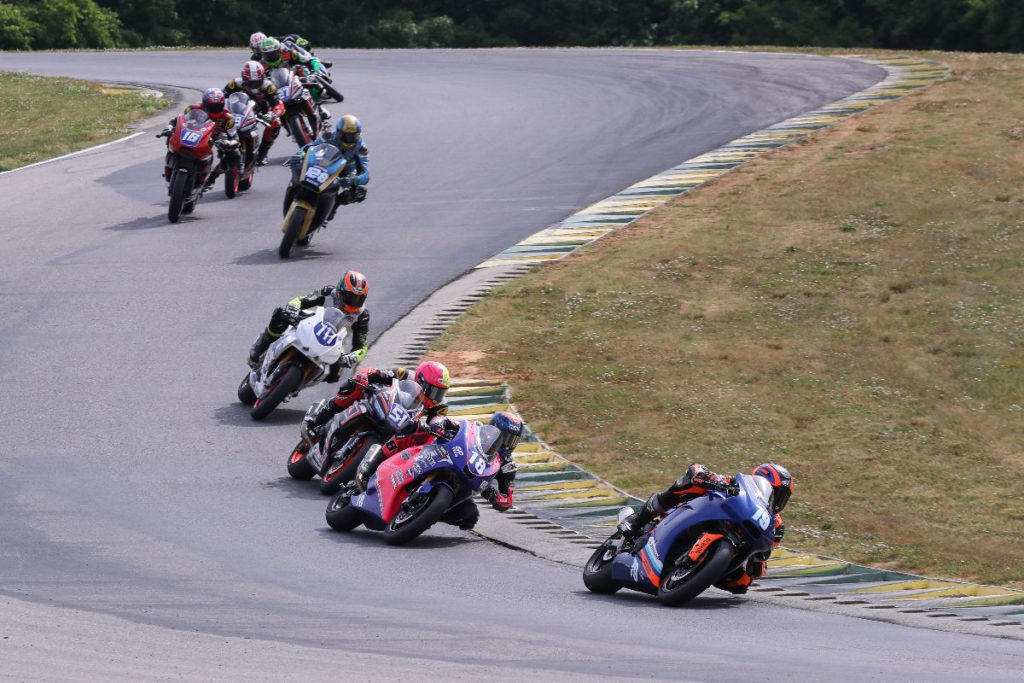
{"points": [[245, 393], [179, 189], [292, 233], [332, 91], [597, 572], [405, 527], [289, 195], [298, 465], [286, 385], [298, 128], [245, 183], [681, 584], [341, 516], [232, 176], [340, 473]]}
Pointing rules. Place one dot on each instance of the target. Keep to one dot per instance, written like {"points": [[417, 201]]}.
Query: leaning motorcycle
{"points": [[300, 118], [190, 149], [413, 489], [312, 193], [249, 129], [368, 423], [299, 358], [693, 547]]}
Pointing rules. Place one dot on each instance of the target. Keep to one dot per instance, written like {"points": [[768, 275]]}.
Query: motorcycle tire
{"points": [[245, 393], [299, 130], [231, 180], [681, 584], [289, 195], [189, 207], [298, 465], [286, 385], [597, 572], [179, 189], [342, 472], [292, 233], [405, 526], [332, 91], [341, 516]]}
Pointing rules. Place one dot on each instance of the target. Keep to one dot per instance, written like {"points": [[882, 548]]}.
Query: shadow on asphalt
{"points": [[293, 488], [363, 536], [159, 221], [238, 415], [266, 257], [710, 601]]}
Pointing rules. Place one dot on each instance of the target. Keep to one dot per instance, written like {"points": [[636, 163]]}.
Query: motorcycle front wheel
{"points": [[179, 189], [245, 393], [341, 516], [683, 580], [231, 180], [287, 384], [298, 128], [298, 465], [597, 572], [344, 471], [413, 520], [292, 232]]}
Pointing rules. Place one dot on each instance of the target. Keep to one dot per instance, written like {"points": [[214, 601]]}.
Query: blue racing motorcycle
{"points": [[310, 198], [413, 489], [693, 547]]}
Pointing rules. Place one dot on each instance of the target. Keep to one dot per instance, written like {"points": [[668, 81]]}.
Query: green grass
{"points": [[851, 307], [47, 117]]}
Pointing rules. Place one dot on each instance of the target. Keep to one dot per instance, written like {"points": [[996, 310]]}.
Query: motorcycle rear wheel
{"points": [[407, 525], [292, 232], [179, 188], [680, 583], [288, 383], [298, 465], [597, 572], [245, 393], [341, 516], [298, 128], [345, 471]]}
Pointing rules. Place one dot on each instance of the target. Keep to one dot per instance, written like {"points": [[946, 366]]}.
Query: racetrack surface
{"points": [[140, 502]]}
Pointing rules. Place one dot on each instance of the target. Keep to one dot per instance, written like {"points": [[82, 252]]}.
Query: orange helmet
{"points": [[351, 291]]}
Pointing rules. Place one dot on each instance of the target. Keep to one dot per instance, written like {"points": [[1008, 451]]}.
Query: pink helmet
{"points": [[434, 380]]}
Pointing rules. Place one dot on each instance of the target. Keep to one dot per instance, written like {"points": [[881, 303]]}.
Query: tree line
{"points": [[974, 25]]}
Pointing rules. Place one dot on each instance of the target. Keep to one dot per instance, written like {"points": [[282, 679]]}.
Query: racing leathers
{"points": [[268, 104], [297, 308], [696, 482]]}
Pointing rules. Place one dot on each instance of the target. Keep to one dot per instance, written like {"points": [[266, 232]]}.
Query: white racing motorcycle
{"points": [[299, 358]]}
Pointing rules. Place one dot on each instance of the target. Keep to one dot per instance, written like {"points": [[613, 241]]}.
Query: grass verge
{"points": [[47, 117], [851, 306]]}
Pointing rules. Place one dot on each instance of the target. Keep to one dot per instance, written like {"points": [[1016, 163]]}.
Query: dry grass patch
{"points": [[46, 117], [852, 307]]}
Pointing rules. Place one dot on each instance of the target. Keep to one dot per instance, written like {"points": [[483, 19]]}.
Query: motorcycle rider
{"points": [[697, 481], [213, 103], [274, 54], [348, 138], [348, 296], [499, 494], [255, 40], [263, 93]]}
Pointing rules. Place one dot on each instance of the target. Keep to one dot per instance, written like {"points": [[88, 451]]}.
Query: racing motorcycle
{"points": [[413, 489], [312, 194], [301, 119], [693, 547], [367, 424], [239, 174], [190, 146], [299, 358]]}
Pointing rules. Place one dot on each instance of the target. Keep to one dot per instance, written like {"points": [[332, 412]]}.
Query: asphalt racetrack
{"points": [[148, 529]]}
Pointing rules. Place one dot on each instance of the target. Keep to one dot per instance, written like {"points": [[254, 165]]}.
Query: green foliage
{"points": [[72, 23], [16, 29], [147, 22]]}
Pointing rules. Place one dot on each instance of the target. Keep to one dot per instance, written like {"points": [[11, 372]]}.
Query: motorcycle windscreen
{"points": [[479, 462], [238, 105], [325, 155], [336, 319], [282, 80], [195, 119]]}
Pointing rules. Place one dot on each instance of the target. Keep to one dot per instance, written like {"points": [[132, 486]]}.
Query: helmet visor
{"points": [[433, 395], [780, 498], [352, 301], [214, 107], [508, 442], [349, 138], [254, 84], [272, 56]]}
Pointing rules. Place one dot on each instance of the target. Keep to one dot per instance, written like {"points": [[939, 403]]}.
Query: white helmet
{"points": [[255, 40]]}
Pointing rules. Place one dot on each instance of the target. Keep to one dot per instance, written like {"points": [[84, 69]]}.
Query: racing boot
{"points": [[324, 116], [258, 347], [261, 153], [371, 461]]}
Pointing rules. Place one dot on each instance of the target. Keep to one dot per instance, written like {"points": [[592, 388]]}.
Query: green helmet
{"points": [[270, 51], [302, 42]]}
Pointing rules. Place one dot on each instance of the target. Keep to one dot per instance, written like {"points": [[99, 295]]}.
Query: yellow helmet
{"points": [[349, 130]]}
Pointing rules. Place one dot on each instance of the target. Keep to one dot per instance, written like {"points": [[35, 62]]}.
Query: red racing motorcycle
{"points": [[190, 159]]}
